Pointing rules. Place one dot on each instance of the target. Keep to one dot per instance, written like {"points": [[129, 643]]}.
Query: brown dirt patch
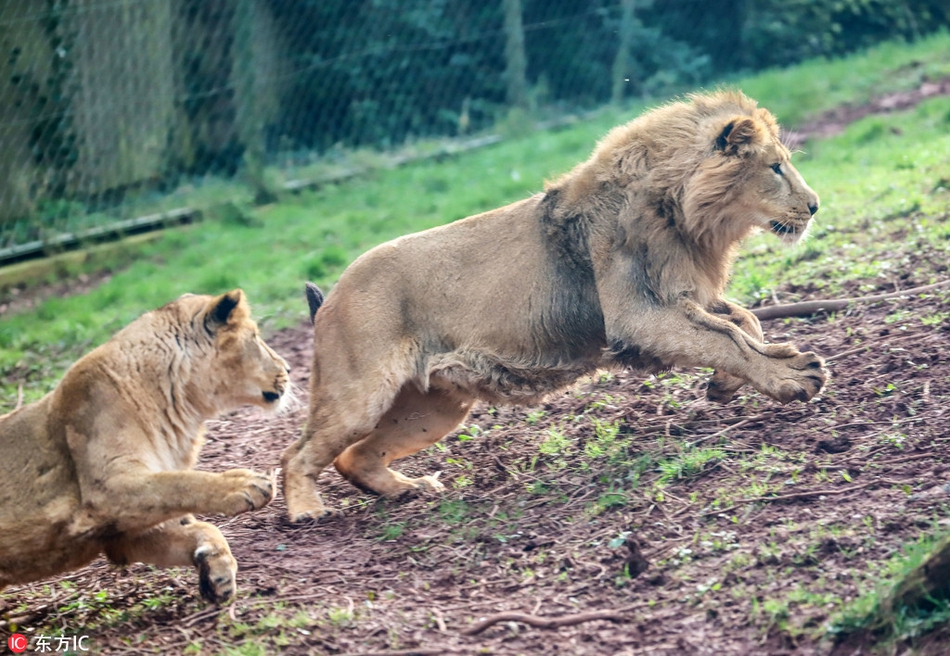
{"points": [[833, 122]]}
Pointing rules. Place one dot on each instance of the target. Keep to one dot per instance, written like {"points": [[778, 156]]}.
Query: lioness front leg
{"points": [[182, 542], [684, 334], [722, 386], [137, 500]]}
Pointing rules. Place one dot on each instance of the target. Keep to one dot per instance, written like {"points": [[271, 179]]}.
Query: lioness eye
{"points": [[777, 168]]}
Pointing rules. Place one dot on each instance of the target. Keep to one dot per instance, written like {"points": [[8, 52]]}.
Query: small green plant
{"points": [[339, 616], [605, 438], [689, 463], [935, 319], [895, 440], [534, 416], [555, 443], [392, 531], [609, 500]]}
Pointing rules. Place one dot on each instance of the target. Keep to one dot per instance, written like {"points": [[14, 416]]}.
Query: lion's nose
{"points": [[813, 207]]}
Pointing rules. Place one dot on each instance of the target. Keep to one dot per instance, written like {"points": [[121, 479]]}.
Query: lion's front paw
{"points": [[781, 351], [722, 387], [803, 378], [249, 490], [216, 573]]}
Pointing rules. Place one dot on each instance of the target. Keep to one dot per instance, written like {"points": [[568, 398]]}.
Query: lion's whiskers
{"points": [[289, 400]]}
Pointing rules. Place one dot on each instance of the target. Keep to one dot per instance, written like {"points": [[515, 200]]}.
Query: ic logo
{"points": [[18, 643]]}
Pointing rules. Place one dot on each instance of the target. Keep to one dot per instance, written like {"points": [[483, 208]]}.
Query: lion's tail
{"points": [[314, 299]]}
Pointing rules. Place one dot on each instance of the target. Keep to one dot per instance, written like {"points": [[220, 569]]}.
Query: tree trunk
{"points": [[515, 59], [622, 72]]}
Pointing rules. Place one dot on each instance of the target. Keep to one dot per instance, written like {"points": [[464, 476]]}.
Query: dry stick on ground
{"points": [[615, 615], [406, 652], [741, 424], [786, 497], [809, 308]]}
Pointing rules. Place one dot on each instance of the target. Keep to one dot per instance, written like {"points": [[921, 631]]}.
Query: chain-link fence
{"points": [[114, 110]]}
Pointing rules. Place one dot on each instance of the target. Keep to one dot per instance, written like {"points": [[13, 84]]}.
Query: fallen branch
{"points": [[786, 497], [741, 424], [405, 652], [809, 308], [614, 615]]}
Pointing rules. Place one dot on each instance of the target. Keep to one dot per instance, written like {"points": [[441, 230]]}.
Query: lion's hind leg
{"points": [[415, 420], [183, 542]]}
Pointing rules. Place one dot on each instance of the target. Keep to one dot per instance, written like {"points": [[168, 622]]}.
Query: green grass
{"points": [[868, 613], [884, 184], [798, 93], [879, 169]]}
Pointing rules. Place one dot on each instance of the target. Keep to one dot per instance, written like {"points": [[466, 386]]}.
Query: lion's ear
{"points": [[739, 136], [222, 307]]}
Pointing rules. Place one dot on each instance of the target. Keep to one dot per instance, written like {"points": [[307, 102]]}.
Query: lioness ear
{"points": [[739, 135], [222, 307]]}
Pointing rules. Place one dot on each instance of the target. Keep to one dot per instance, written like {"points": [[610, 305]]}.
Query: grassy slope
{"points": [[315, 235]]}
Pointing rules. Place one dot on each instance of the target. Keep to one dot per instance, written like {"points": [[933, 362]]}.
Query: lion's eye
{"points": [[777, 168]]}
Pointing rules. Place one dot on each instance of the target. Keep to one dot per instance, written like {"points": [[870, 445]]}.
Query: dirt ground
{"points": [[792, 512], [759, 573]]}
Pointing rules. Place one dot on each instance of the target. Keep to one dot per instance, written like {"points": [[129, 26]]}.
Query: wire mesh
{"points": [[113, 110]]}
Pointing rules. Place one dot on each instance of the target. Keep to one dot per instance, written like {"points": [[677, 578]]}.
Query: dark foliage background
{"points": [[102, 99]]}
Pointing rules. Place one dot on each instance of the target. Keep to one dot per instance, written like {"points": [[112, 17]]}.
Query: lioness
{"points": [[103, 462], [621, 262]]}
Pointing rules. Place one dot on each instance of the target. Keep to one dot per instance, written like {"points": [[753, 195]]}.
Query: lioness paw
{"points": [[249, 491], [216, 574]]}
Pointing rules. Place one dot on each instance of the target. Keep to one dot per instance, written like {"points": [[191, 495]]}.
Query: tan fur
{"points": [[103, 463], [621, 262]]}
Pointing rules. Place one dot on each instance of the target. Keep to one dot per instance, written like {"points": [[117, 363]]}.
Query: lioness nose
{"points": [[813, 207]]}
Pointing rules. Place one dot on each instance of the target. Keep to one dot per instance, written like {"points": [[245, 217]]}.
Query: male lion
{"points": [[103, 463], [621, 262]]}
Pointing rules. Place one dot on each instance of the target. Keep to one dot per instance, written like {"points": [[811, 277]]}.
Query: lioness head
{"points": [[239, 367]]}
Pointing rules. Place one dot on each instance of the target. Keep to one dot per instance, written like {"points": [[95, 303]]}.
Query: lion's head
{"points": [[748, 176], [714, 165], [228, 359]]}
